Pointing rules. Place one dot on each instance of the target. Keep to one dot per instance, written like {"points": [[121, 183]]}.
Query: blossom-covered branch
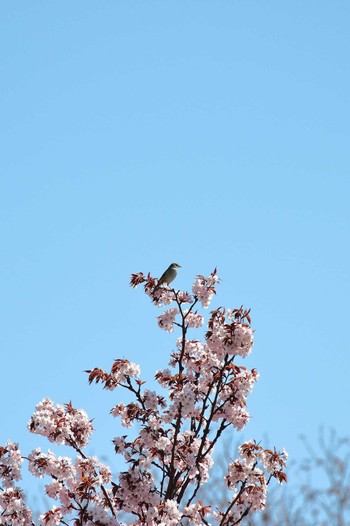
{"points": [[202, 395]]}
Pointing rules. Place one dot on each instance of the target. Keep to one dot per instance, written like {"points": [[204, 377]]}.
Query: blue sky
{"points": [[211, 133]]}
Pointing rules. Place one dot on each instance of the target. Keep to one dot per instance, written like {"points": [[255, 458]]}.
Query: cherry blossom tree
{"points": [[202, 396], [318, 492]]}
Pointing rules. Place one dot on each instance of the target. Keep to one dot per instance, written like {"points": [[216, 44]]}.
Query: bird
{"points": [[169, 275]]}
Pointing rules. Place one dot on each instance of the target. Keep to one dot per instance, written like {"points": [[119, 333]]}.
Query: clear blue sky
{"points": [[211, 133]]}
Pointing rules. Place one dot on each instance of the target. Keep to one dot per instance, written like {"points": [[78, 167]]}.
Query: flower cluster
{"points": [[13, 509], [12, 499], [193, 320], [249, 482], [61, 424], [204, 288], [204, 393], [227, 336], [160, 295], [121, 373], [10, 464], [167, 319], [74, 484]]}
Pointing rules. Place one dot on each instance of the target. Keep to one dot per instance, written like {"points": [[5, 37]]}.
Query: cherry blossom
{"points": [[193, 320], [204, 288], [167, 319], [13, 509], [10, 464], [61, 424]]}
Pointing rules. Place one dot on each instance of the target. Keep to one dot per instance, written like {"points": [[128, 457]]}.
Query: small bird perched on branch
{"points": [[169, 275]]}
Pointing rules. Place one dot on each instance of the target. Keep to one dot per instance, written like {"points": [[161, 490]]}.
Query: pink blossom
{"points": [[163, 377], [167, 319], [272, 460], [51, 517], [204, 288], [255, 496], [196, 512], [99, 516], [241, 471], [236, 415], [40, 464], [170, 515], [123, 412], [123, 369], [162, 296], [142, 495], [13, 509], [61, 424], [184, 297], [91, 467], [151, 400], [193, 320], [120, 444], [202, 292], [243, 340], [10, 464]]}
